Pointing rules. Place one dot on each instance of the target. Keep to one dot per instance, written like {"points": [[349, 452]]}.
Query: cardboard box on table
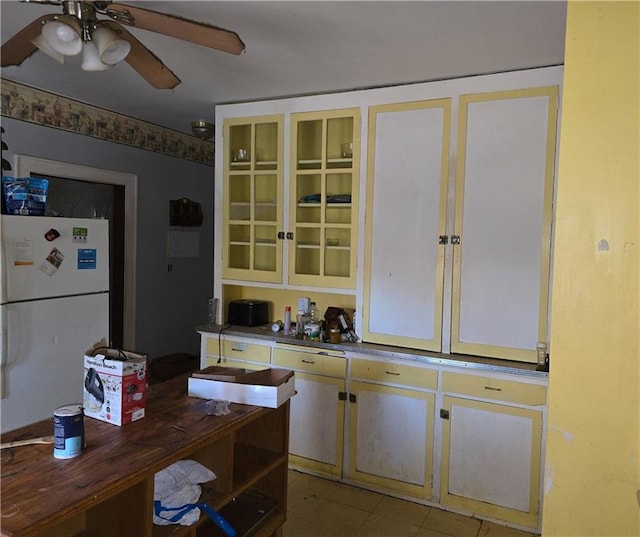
{"points": [[115, 385], [266, 387]]}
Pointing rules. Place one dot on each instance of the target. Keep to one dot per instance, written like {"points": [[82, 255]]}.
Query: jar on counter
{"points": [[312, 331], [334, 335]]}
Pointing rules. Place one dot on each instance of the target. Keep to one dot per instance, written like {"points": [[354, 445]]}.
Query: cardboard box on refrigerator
{"points": [[266, 387], [115, 385]]}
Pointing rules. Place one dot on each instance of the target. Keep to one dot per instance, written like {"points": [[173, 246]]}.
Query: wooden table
{"points": [[108, 490]]}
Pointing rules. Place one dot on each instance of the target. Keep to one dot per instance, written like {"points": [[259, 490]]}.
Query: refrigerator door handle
{"points": [[4, 349]]}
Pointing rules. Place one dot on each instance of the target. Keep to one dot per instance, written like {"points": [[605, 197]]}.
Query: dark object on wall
{"points": [[6, 166], [248, 312], [185, 213]]}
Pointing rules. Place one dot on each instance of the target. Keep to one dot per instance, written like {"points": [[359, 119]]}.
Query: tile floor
{"points": [[324, 508]]}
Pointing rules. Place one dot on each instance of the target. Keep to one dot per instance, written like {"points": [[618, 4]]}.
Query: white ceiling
{"points": [[303, 47]]}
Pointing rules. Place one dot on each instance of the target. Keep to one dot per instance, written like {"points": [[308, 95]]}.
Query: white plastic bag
{"points": [[176, 487]]}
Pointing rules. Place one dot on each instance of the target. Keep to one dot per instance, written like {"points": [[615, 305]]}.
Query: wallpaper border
{"points": [[26, 103]]}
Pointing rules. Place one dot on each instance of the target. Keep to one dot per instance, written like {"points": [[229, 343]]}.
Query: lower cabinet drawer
{"points": [[395, 373], [241, 364], [240, 350], [494, 388], [310, 361]]}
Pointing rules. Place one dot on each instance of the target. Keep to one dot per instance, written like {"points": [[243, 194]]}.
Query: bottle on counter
{"points": [[300, 322], [312, 325], [314, 313], [287, 320]]}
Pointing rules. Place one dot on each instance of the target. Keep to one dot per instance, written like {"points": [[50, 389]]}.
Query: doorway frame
{"points": [[26, 166]]}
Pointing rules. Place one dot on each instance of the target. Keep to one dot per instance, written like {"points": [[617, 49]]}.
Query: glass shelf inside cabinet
{"points": [[339, 162]]}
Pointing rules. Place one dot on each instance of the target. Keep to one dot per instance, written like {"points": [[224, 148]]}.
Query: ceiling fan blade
{"points": [[185, 29], [19, 47], [145, 62]]}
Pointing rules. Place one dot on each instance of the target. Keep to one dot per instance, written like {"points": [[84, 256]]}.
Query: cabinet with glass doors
{"points": [[323, 198], [253, 199]]}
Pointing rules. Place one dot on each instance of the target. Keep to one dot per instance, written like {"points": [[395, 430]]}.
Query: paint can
{"points": [[68, 431]]}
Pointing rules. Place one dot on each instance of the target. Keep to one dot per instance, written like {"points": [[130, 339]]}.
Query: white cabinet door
{"points": [[391, 438], [406, 200], [317, 418], [504, 184], [491, 460]]}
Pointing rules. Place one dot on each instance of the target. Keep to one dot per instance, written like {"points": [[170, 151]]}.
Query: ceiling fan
{"points": [[105, 42]]}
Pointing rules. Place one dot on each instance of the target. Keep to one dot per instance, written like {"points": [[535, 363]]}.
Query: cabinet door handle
{"points": [[308, 361], [493, 389], [392, 373]]}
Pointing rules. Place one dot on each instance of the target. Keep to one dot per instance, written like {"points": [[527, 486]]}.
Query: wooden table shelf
{"points": [[108, 490]]}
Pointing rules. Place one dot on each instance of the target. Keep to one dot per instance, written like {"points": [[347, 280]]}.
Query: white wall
{"points": [[168, 304]]}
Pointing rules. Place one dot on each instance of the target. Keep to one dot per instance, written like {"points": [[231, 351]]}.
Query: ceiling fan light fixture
{"points": [[91, 59], [63, 35], [42, 44], [111, 48], [202, 129]]}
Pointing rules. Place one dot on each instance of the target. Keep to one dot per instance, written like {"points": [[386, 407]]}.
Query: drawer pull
{"points": [[236, 349], [323, 353], [493, 389], [392, 373], [308, 361]]}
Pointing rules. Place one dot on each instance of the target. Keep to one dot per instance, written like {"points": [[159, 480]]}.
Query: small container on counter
{"points": [[312, 331], [334, 335], [287, 320], [68, 431]]}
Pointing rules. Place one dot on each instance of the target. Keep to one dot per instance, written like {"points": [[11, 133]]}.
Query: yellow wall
{"points": [[592, 470]]}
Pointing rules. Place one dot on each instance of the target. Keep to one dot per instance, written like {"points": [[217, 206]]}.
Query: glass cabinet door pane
{"points": [[338, 198], [308, 250], [240, 146], [265, 198], [339, 142], [337, 257], [239, 250], [265, 248], [266, 146], [309, 198], [309, 144], [337, 262], [239, 197]]}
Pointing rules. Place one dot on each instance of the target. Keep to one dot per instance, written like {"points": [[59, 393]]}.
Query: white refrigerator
{"points": [[54, 297]]}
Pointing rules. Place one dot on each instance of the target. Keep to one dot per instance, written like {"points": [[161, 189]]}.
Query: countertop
{"points": [[478, 363]]}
